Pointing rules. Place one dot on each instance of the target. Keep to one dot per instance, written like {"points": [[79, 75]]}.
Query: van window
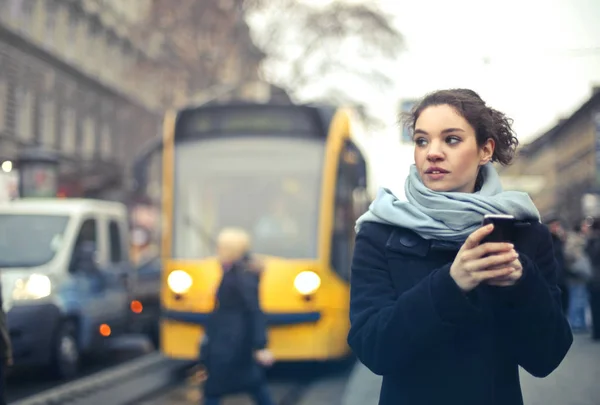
{"points": [[116, 243], [30, 240], [87, 232]]}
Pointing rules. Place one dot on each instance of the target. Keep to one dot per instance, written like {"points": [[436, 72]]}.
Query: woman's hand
{"points": [[476, 263], [511, 279]]}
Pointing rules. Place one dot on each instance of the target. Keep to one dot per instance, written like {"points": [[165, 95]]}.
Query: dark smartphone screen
{"points": [[504, 228]]}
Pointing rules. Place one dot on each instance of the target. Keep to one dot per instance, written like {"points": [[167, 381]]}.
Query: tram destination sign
{"points": [[248, 120]]}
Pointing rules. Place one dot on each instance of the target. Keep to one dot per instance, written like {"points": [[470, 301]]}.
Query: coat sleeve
{"points": [[530, 312], [250, 292], [390, 329]]}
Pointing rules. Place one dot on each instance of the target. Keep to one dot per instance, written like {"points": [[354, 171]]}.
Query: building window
{"points": [[3, 103], [83, 41], [47, 123], [62, 29], [24, 113], [15, 7], [89, 141], [50, 17], [119, 59], [25, 22], [69, 130], [72, 39], [121, 143], [39, 19], [96, 58], [10, 10], [106, 141]]}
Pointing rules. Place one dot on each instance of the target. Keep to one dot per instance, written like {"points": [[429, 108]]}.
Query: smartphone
{"points": [[504, 228]]}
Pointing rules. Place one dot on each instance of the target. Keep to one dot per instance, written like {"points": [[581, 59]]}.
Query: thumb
{"points": [[477, 236]]}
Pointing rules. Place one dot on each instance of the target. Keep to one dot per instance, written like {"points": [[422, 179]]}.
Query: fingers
{"points": [[501, 283], [477, 236], [505, 281], [497, 260], [488, 274], [510, 278], [489, 248]]}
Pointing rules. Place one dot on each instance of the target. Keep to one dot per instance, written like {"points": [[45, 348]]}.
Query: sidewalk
{"points": [[362, 387], [575, 382]]}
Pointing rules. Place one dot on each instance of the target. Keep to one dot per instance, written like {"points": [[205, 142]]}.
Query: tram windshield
{"points": [[269, 186]]}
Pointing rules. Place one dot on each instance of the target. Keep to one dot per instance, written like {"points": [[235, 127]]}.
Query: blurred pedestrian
{"points": [[593, 251], [6, 359], [579, 272], [445, 316], [558, 236], [234, 350]]}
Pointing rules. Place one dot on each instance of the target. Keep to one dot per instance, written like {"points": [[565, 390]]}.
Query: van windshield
{"points": [[30, 240]]}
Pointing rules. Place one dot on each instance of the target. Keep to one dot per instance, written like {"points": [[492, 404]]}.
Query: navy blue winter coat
{"points": [[434, 344], [236, 329]]}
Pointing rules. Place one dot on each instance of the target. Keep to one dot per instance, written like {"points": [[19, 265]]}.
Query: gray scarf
{"points": [[449, 216]]}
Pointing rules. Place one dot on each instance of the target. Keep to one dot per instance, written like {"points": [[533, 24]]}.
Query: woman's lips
{"points": [[436, 173]]}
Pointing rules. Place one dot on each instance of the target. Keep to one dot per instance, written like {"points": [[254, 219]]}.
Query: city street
{"points": [[575, 382]]}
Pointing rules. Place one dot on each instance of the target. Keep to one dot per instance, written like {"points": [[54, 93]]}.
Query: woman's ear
{"points": [[486, 152]]}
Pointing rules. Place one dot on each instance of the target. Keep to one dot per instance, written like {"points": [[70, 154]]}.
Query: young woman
{"points": [[443, 316]]}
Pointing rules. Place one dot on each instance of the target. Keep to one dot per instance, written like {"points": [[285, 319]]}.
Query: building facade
{"points": [[567, 158], [80, 78], [67, 84]]}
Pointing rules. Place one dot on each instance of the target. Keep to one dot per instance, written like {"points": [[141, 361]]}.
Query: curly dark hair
{"points": [[487, 122]]}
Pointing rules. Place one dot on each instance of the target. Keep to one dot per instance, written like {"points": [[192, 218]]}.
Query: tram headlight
{"points": [[34, 287], [307, 282], [179, 281]]}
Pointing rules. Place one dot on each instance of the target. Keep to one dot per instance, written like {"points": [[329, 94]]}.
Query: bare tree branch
{"points": [[204, 43], [306, 44]]}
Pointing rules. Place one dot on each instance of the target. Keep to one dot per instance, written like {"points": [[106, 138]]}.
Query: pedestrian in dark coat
{"points": [[593, 251], [6, 359], [557, 233], [234, 351], [442, 315]]}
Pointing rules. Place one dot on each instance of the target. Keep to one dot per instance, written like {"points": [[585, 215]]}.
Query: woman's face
{"points": [[446, 152]]}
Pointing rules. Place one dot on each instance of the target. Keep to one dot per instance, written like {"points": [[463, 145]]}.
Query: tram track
{"points": [[153, 379], [288, 386], [186, 394], [119, 385], [293, 394]]}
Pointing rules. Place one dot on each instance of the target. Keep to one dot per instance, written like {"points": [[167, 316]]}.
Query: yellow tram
{"points": [[291, 175]]}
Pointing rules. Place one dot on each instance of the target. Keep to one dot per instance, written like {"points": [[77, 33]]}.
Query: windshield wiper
{"points": [[201, 231]]}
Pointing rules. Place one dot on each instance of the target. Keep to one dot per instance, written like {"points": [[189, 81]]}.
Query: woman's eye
{"points": [[452, 140], [420, 141]]}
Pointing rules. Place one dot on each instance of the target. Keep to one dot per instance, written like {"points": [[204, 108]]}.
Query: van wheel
{"points": [[65, 355]]}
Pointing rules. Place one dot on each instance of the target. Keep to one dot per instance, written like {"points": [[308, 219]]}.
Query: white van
{"points": [[66, 278]]}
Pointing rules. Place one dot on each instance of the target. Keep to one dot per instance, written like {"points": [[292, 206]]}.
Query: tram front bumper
{"points": [[273, 319]]}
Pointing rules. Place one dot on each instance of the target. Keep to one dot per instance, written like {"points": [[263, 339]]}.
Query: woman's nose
{"points": [[434, 152]]}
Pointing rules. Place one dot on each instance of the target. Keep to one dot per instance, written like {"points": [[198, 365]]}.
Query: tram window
{"points": [[116, 251], [351, 183], [343, 232], [221, 183], [249, 120]]}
